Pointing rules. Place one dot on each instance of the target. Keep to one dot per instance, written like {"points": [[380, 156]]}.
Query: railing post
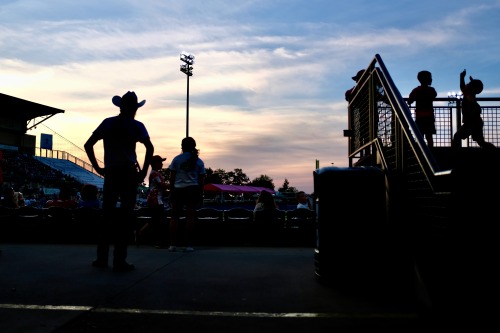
{"points": [[458, 115]]}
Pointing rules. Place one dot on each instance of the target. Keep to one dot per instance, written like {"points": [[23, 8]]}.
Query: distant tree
{"points": [[286, 188], [237, 177], [263, 181], [214, 177], [217, 176]]}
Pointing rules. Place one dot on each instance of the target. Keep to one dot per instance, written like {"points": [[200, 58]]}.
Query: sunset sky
{"points": [[267, 94]]}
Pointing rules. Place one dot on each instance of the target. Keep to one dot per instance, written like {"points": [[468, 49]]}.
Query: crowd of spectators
{"points": [[37, 183], [31, 178]]}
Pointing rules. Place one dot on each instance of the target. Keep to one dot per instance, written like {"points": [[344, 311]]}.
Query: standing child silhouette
{"points": [[187, 174], [472, 123], [424, 96]]}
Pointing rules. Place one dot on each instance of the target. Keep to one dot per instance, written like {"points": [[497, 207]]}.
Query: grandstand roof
{"points": [[21, 109]]}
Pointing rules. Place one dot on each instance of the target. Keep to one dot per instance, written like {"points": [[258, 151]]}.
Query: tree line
{"points": [[238, 177]]}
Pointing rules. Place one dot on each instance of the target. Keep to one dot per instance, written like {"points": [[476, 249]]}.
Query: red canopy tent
{"points": [[235, 189]]}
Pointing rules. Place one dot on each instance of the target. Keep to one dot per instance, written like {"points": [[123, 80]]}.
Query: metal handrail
{"points": [[62, 155]]}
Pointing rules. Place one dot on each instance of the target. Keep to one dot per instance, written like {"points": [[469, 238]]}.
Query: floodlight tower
{"points": [[187, 68]]}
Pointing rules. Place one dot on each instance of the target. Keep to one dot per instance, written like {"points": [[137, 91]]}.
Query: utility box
{"points": [[351, 221]]}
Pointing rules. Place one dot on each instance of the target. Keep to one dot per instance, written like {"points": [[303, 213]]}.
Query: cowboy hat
{"points": [[129, 97]]}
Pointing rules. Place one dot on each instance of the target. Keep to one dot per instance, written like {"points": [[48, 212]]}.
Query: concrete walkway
{"points": [[53, 288]]}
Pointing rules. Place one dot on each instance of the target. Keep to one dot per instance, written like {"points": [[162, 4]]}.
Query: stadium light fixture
{"points": [[187, 68]]}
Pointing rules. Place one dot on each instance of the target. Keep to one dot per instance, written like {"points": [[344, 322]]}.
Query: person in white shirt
{"points": [[187, 174], [303, 200]]}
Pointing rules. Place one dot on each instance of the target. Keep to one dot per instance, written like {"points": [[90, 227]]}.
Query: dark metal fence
{"points": [[448, 118], [439, 201]]}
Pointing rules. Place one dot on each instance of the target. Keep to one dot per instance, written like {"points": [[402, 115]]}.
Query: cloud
{"points": [[267, 94]]}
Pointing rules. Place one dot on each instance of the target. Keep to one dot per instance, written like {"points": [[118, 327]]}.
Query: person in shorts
{"points": [[424, 96], [187, 174]]}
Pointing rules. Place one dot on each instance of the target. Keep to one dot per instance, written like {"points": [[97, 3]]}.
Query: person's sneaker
{"points": [[126, 267], [188, 249], [99, 263], [172, 248]]}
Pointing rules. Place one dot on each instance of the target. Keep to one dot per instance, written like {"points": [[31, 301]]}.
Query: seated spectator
{"points": [[303, 200], [19, 197], [63, 200], [9, 198], [42, 199], [265, 201], [29, 201], [89, 196]]}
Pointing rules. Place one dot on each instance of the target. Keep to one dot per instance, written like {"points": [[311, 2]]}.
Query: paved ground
{"points": [[53, 288]]}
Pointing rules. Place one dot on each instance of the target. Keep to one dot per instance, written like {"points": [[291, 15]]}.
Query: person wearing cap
{"points": [[122, 176], [187, 174], [156, 204], [348, 93]]}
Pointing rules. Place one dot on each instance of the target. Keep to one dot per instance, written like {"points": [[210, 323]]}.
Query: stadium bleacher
{"points": [[70, 168]]}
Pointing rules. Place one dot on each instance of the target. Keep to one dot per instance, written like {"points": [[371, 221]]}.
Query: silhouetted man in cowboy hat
{"points": [[122, 175]]}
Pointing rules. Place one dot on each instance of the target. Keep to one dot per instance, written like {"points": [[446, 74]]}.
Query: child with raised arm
{"points": [[472, 123]]}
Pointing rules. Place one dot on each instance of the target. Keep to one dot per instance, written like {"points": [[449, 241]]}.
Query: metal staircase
{"points": [[440, 202]]}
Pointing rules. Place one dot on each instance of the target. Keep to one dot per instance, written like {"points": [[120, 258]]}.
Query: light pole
{"points": [[455, 99], [455, 95], [187, 68]]}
